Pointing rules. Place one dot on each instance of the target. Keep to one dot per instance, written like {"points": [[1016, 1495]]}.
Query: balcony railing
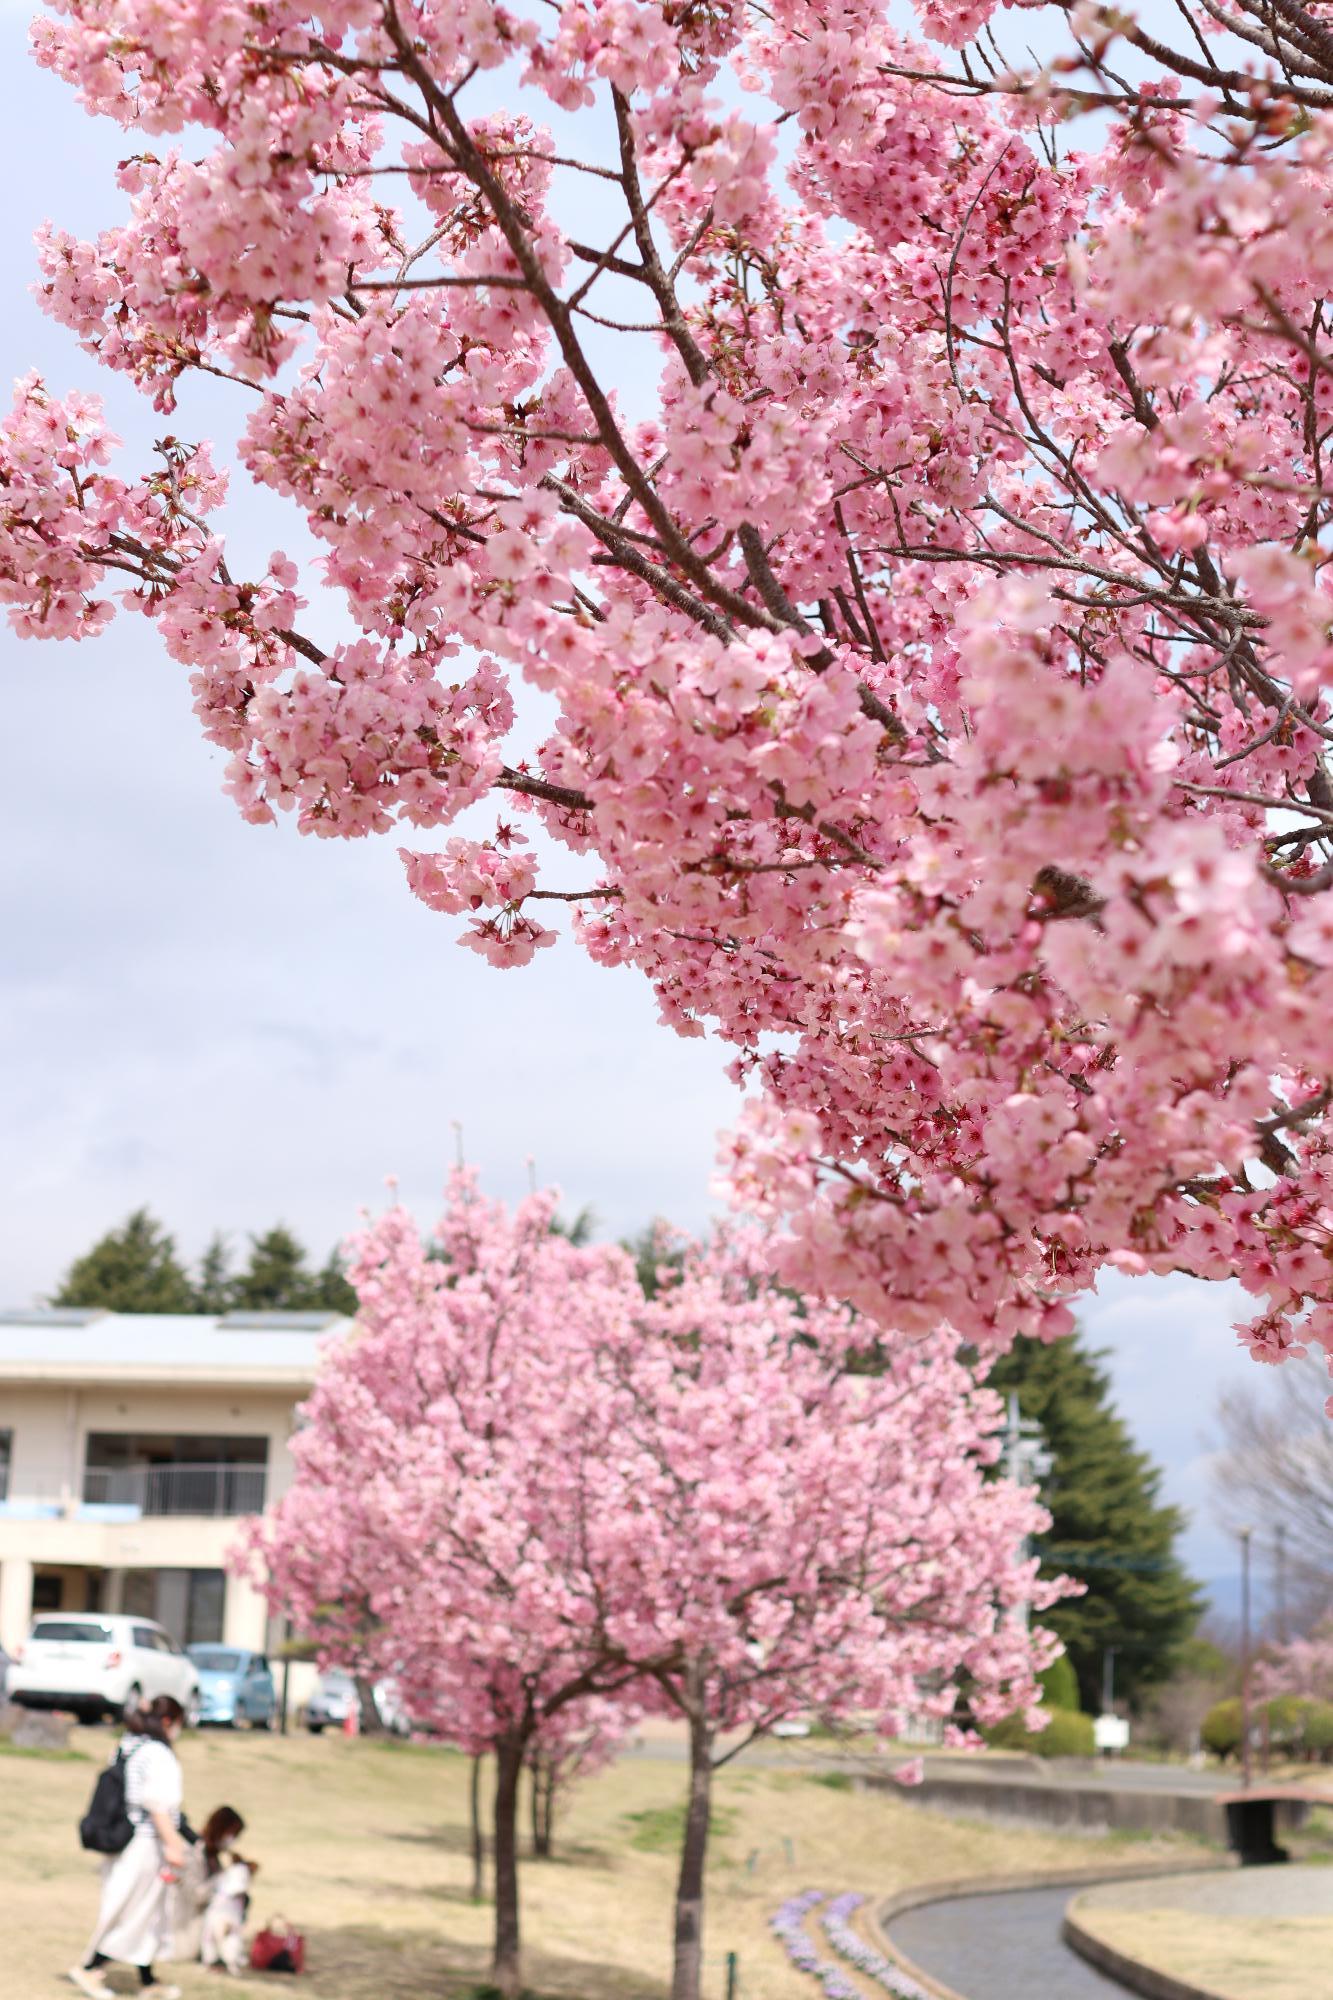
{"points": [[177, 1489]]}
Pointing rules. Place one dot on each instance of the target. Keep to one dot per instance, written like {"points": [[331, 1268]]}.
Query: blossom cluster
{"points": [[909, 497]]}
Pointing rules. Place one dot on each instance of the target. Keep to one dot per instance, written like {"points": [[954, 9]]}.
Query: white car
{"points": [[101, 1665]]}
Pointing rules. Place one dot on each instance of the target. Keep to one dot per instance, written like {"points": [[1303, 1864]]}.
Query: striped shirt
{"points": [[152, 1780]]}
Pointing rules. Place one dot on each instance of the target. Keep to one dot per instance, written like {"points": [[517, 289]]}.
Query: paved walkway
{"points": [[1275, 1893], [1003, 1947]]}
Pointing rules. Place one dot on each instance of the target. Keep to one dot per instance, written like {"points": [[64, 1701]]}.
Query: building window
{"points": [[188, 1603], [6, 1452], [203, 1621], [176, 1475]]}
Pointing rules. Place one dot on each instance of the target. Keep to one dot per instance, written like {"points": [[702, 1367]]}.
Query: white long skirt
{"points": [[134, 1918]]}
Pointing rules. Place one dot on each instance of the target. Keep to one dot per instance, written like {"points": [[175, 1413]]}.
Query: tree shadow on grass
{"points": [[458, 1840], [362, 1962]]}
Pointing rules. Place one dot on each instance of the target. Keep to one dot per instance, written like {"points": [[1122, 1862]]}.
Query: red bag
{"points": [[278, 1948]]}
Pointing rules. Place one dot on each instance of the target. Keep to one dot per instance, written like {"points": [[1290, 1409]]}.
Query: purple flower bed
{"points": [[835, 1922]]}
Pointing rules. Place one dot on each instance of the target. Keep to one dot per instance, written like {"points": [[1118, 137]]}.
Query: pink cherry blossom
{"points": [[903, 479], [529, 1492]]}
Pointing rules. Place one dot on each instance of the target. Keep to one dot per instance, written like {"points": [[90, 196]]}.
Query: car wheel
{"points": [[315, 1728], [264, 1721], [132, 1703]]}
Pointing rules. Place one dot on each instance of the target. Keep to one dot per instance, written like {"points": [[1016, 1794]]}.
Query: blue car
{"points": [[235, 1686]]}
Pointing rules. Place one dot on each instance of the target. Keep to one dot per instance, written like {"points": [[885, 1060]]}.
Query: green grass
{"points": [[660, 1829], [836, 1781], [8, 1749]]}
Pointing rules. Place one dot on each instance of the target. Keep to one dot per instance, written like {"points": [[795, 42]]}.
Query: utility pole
{"points": [[1026, 1463], [1108, 1679], [1245, 1771], [1280, 1565]]}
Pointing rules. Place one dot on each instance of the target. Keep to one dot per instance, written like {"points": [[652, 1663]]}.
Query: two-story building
{"points": [[132, 1448]]}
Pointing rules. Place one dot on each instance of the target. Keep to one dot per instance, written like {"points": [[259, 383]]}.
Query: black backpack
{"points": [[106, 1827]]}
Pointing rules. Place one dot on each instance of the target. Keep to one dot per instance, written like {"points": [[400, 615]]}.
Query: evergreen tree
{"points": [[333, 1293], [654, 1250], [277, 1277], [1109, 1528], [131, 1269], [580, 1231], [135, 1269], [213, 1292]]}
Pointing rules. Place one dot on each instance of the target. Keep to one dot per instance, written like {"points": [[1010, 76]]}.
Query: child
{"points": [[223, 1939], [206, 1862]]}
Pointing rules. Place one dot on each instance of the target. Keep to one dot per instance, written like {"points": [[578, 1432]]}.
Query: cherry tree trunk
{"points": [[506, 1969], [543, 1787], [546, 1833], [687, 1964], [369, 1720], [478, 1842]]}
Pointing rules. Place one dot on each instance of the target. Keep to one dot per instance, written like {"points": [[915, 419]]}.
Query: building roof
{"points": [[66, 1344]]}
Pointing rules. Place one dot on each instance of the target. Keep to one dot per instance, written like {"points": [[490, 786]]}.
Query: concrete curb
{"points": [[876, 1917], [1131, 1972]]}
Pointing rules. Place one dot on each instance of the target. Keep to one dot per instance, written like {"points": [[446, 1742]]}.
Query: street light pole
{"points": [[1026, 1462], [1245, 1534], [1108, 1678], [1280, 1538]]}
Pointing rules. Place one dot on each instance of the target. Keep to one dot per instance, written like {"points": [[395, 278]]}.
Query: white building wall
{"points": [[50, 1424]]}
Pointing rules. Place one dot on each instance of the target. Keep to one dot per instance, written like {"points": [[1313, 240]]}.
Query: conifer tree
{"points": [[1109, 1527], [278, 1278], [214, 1287], [133, 1268]]}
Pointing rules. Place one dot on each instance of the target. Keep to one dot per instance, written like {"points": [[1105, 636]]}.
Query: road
{"points": [[1004, 1947], [819, 1754]]}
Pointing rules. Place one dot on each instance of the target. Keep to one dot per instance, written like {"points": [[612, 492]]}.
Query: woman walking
{"points": [[135, 1916]]}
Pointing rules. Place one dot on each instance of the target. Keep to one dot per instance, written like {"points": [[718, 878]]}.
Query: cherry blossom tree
{"points": [[1301, 1667], [905, 470], [579, 1741], [809, 1540], [526, 1490], [452, 1465]]}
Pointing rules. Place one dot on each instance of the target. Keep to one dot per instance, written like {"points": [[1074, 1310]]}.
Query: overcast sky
{"points": [[234, 1025]]}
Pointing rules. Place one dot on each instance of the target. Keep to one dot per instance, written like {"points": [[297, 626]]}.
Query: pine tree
{"points": [[1109, 1528], [277, 1277], [213, 1291], [132, 1269], [332, 1291]]}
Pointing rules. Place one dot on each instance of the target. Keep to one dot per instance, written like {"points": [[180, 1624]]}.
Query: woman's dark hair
{"points": [[153, 1718], [221, 1828]]}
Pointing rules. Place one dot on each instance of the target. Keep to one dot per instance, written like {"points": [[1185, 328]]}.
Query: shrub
{"points": [[1221, 1728], [1011, 1734], [1059, 1684], [1067, 1734], [1317, 1733]]}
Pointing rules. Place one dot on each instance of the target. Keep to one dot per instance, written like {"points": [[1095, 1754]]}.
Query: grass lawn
{"points": [[1236, 1957], [1262, 1934], [365, 1847]]}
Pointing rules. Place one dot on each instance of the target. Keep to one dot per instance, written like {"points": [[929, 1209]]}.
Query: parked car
{"points": [[96, 1664], [235, 1686], [335, 1698], [331, 1703], [5, 1664]]}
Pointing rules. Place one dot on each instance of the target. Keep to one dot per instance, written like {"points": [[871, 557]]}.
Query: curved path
{"points": [[1003, 1947]]}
